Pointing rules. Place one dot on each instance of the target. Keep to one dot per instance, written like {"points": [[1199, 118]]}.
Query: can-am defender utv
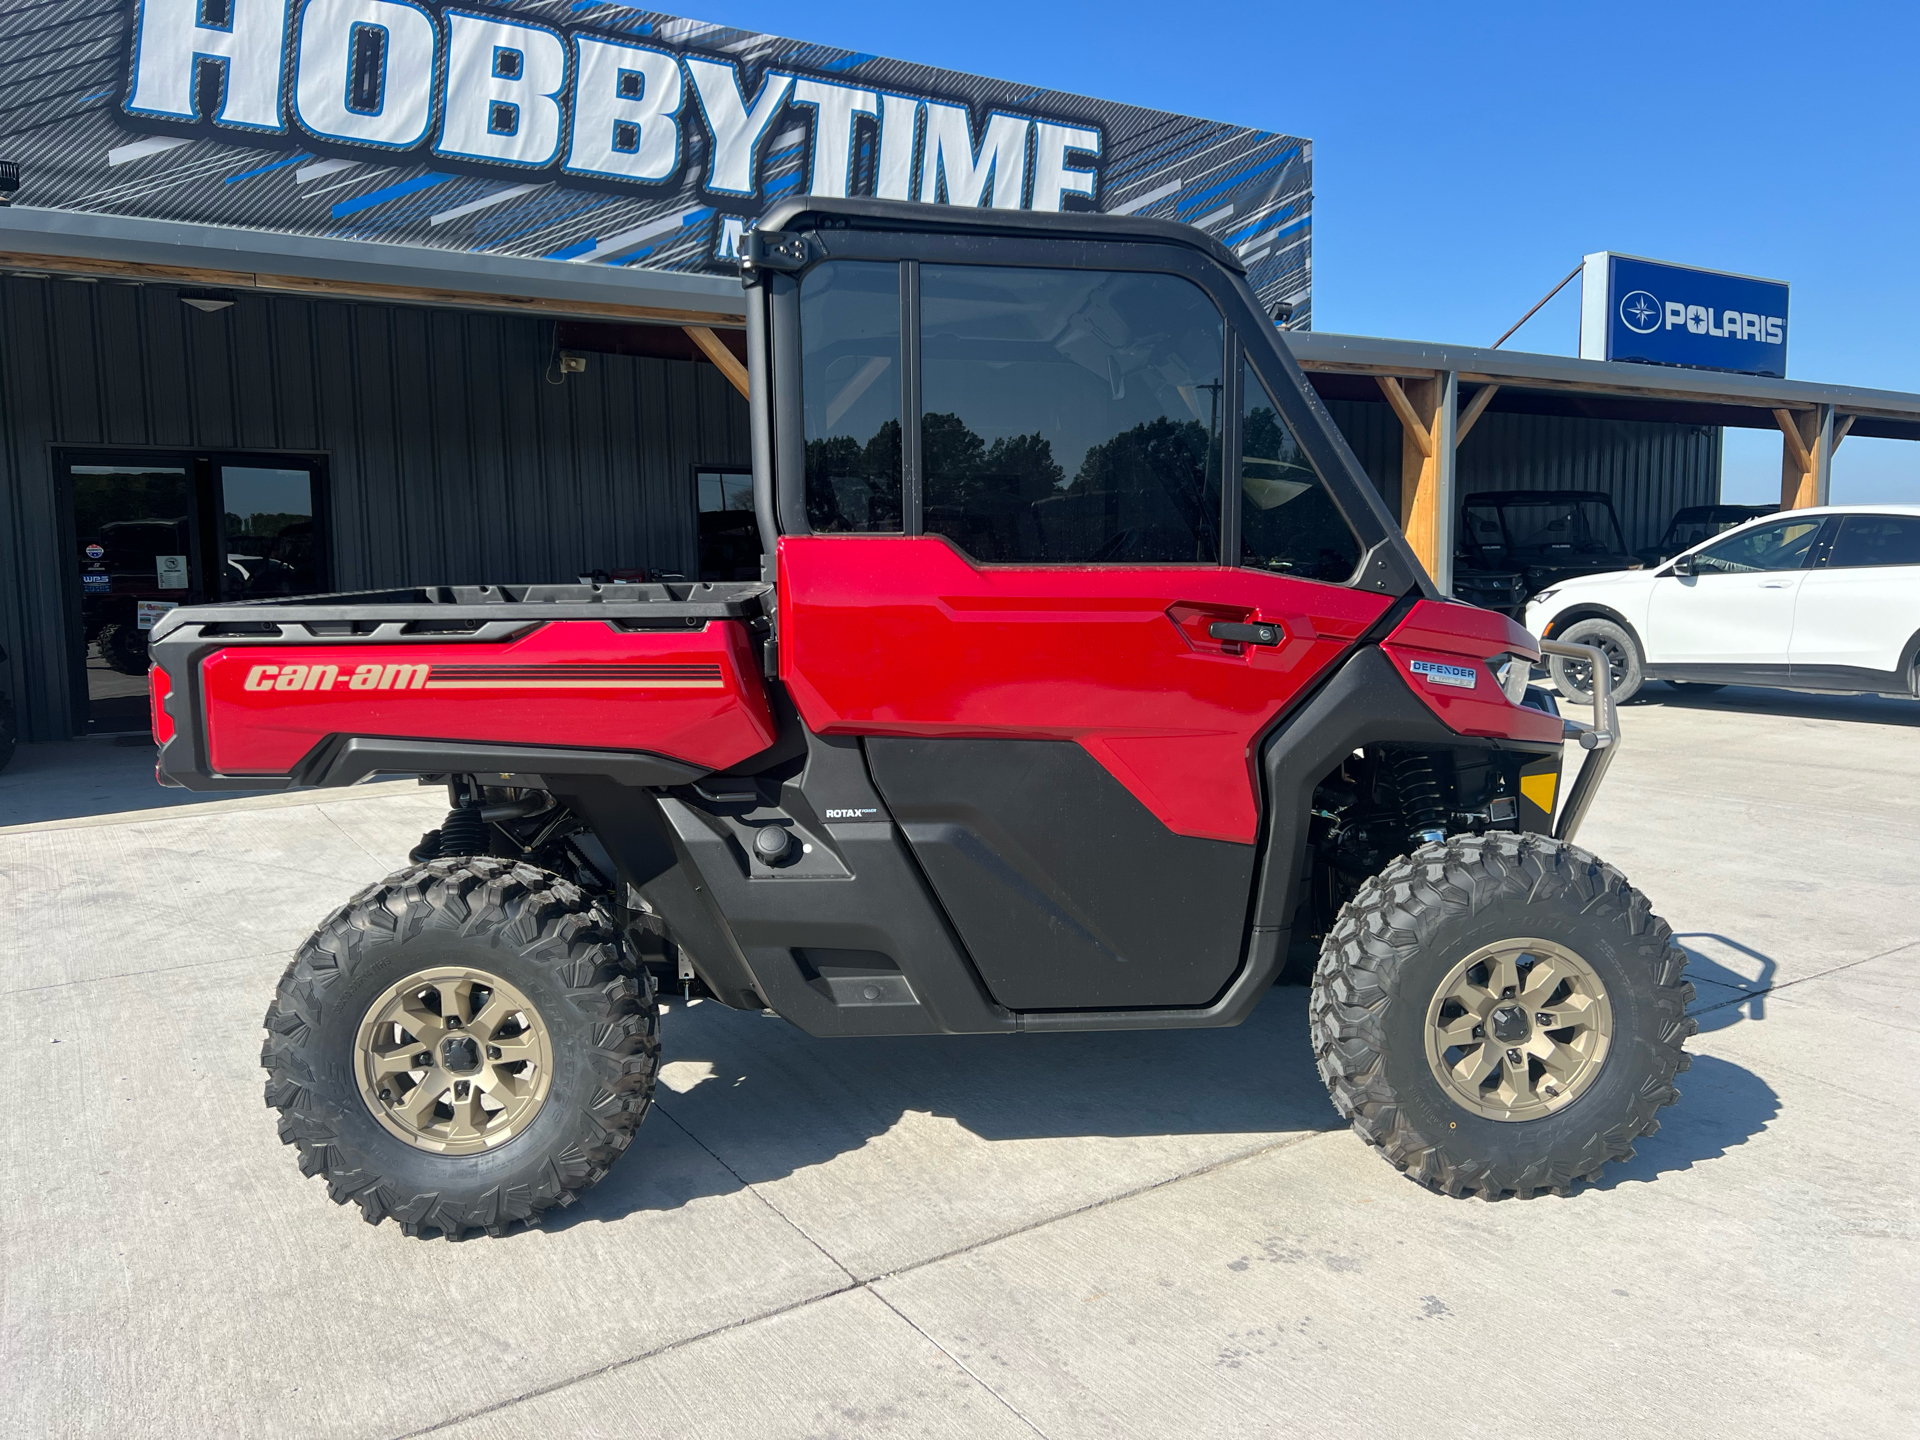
{"points": [[1032, 724]]}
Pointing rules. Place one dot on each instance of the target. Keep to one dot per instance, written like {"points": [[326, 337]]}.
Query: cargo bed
{"points": [[653, 684]]}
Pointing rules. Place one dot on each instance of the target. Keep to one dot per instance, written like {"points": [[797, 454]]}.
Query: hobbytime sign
{"points": [[1658, 314], [461, 87]]}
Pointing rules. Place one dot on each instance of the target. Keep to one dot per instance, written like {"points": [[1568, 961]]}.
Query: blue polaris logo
{"points": [[1660, 314]]}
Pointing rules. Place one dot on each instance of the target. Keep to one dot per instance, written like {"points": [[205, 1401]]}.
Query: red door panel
{"points": [[885, 635]]}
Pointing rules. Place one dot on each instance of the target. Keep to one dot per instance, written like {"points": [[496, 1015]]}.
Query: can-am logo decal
{"points": [[1460, 677], [380, 676], [473, 89]]}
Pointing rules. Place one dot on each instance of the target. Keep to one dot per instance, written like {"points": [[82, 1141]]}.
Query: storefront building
{"points": [[302, 295]]}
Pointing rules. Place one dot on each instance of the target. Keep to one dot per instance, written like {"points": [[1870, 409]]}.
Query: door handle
{"points": [[1776, 585], [1244, 633]]}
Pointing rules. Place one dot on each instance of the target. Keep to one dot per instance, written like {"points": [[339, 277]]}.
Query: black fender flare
{"points": [[1365, 702]]}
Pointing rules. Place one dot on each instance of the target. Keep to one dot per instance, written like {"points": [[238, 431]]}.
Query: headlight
{"points": [[1511, 673], [1544, 595]]}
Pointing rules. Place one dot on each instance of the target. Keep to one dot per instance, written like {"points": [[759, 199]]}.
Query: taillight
{"points": [[159, 686]]}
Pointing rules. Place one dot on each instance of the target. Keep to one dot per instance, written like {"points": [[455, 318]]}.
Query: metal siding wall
{"points": [[451, 460], [1650, 469]]}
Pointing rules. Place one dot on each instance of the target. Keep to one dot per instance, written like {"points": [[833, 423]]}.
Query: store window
{"points": [[850, 381], [729, 533], [1070, 416], [1288, 522]]}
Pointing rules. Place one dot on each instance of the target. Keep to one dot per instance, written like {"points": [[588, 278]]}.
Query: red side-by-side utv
{"points": [[1087, 680]]}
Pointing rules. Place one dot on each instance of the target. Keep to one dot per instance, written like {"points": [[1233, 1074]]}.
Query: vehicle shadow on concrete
{"points": [[77, 779], [767, 1100], [1795, 704], [1730, 979]]}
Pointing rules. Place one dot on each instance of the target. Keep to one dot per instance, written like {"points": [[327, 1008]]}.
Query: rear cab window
{"points": [[1071, 416]]}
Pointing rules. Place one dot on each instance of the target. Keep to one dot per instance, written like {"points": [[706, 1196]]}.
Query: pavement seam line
{"points": [[137, 974], [1746, 995], [854, 1284], [961, 1365]]}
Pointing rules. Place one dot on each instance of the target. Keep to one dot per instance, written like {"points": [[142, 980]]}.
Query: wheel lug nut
{"points": [[386, 1094], [422, 1060], [493, 1052]]}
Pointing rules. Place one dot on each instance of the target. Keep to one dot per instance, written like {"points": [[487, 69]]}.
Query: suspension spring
{"points": [[1421, 798]]}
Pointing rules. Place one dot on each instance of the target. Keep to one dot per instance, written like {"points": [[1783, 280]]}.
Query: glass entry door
{"points": [[137, 555], [154, 531]]}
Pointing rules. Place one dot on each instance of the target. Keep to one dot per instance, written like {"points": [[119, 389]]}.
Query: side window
{"points": [[1781, 546], [1070, 416], [1288, 521], [1876, 540], [850, 381]]}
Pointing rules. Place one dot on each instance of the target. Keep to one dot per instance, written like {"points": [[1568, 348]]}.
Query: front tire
{"points": [[1568, 1065], [461, 1046], [1573, 678]]}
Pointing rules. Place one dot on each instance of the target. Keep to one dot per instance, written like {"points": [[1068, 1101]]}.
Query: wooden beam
{"points": [[724, 359], [1409, 421], [1797, 447], [1476, 407], [1420, 467], [1840, 428], [1799, 462], [356, 290]]}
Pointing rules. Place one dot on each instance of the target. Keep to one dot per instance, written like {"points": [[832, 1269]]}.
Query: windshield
{"points": [[1545, 527], [1689, 528]]}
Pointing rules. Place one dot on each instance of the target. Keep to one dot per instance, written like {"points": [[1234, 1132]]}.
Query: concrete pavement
{"points": [[1073, 1235]]}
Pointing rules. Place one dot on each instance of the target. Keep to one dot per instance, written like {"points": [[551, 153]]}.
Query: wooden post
{"points": [[1799, 466], [1417, 403]]}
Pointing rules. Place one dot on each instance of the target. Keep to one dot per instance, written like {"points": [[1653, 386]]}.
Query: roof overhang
{"points": [[1344, 367], [170, 252]]}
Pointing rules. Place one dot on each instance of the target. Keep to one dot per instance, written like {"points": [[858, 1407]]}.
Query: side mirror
{"points": [[1683, 566]]}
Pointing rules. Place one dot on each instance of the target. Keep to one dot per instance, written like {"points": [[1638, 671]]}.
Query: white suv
{"points": [[1820, 599]]}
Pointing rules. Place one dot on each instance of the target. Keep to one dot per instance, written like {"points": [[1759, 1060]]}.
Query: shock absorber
{"points": [[1422, 798]]}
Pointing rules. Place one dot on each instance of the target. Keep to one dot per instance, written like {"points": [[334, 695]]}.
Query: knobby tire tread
{"points": [[545, 919], [1386, 924]]}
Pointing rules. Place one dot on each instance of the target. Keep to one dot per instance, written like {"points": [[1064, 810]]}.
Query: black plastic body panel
{"points": [[1364, 702], [785, 934], [1069, 893]]}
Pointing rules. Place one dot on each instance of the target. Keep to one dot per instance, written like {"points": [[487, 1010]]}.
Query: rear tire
{"points": [[1570, 677], [1378, 1005], [580, 1016]]}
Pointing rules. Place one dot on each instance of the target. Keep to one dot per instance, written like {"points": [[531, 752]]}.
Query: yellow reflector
{"points": [[1539, 789]]}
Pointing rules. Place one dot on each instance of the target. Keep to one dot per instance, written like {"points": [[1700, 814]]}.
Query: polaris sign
{"points": [[587, 131], [1657, 314]]}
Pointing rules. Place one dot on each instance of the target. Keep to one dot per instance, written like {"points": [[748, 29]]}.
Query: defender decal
{"points": [[1460, 677]]}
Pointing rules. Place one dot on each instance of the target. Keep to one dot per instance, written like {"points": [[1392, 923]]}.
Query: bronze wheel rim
{"points": [[1519, 1030], [453, 1060]]}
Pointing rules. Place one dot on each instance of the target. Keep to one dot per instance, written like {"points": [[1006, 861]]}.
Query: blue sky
{"points": [[1466, 157]]}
